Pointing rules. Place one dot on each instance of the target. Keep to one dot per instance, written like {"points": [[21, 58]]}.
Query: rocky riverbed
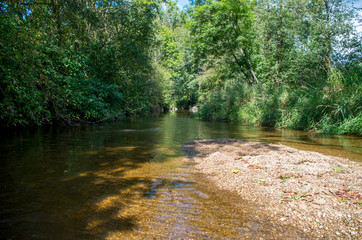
{"points": [[320, 195]]}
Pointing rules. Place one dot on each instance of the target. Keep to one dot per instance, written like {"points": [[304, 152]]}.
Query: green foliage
{"points": [[305, 56], [81, 62], [173, 59], [288, 64], [222, 29]]}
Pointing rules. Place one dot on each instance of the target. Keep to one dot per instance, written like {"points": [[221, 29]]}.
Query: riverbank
{"points": [[319, 194]]}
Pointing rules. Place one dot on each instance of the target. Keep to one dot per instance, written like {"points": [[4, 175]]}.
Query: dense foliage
{"points": [[286, 63], [73, 61], [173, 59], [283, 63]]}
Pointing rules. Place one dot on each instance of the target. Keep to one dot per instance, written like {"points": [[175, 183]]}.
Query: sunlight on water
{"points": [[129, 180]]}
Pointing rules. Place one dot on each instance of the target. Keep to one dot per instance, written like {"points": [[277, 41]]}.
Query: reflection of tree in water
{"points": [[100, 181]]}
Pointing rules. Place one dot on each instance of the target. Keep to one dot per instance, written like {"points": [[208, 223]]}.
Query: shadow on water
{"points": [[126, 178], [71, 184]]}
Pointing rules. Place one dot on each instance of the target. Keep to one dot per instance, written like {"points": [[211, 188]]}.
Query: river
{"points": [[129, 180]]}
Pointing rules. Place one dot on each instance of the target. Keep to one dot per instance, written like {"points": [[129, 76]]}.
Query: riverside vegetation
{"points": [[289, 64]]}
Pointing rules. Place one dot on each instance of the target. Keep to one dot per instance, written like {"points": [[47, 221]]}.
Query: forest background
{"points": [[283, 63]]}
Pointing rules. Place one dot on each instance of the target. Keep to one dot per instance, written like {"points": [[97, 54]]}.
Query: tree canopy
{"points": [[284, 63]]}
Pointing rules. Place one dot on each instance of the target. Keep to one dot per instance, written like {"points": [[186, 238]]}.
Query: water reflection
{"points": [[128, 180]]}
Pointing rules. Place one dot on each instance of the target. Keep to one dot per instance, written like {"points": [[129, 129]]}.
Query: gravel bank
{"points": [[316, 193]]}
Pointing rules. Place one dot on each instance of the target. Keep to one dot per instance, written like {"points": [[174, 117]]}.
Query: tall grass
{"points": [[335, 107]]}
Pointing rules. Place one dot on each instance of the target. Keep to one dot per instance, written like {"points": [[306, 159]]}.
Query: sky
{"points": [[182, 3], [356, 3]]}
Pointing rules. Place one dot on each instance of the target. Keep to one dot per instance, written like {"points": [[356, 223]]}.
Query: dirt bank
{"points": [[316, 193]]}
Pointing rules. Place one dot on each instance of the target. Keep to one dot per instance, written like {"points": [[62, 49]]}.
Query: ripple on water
{"points": [[126, 180]]}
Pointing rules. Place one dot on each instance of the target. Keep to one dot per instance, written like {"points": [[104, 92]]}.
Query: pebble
{"points": [[316, 206], [314, 210], [320, 201]]}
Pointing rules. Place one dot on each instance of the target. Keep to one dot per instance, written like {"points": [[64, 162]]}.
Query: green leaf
{"points": [[297, 197]]}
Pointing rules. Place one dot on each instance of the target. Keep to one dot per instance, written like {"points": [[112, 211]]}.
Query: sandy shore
{"points": [[321, 195]]}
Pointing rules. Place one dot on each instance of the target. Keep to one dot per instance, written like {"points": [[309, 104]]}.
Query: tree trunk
{"points": [[250, 67]]}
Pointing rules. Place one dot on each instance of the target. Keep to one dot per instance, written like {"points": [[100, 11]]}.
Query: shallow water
{"points": [[128, 180]]}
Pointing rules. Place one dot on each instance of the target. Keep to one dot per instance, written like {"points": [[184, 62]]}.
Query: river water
{"points": [[129, 180]]}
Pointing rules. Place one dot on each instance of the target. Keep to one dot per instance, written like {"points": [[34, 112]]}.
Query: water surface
{"points": [[128, 180]]}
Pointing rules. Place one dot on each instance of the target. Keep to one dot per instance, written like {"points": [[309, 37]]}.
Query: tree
{"points": [[222, 28], [300, 59], [173, 58], [76, 61]]}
